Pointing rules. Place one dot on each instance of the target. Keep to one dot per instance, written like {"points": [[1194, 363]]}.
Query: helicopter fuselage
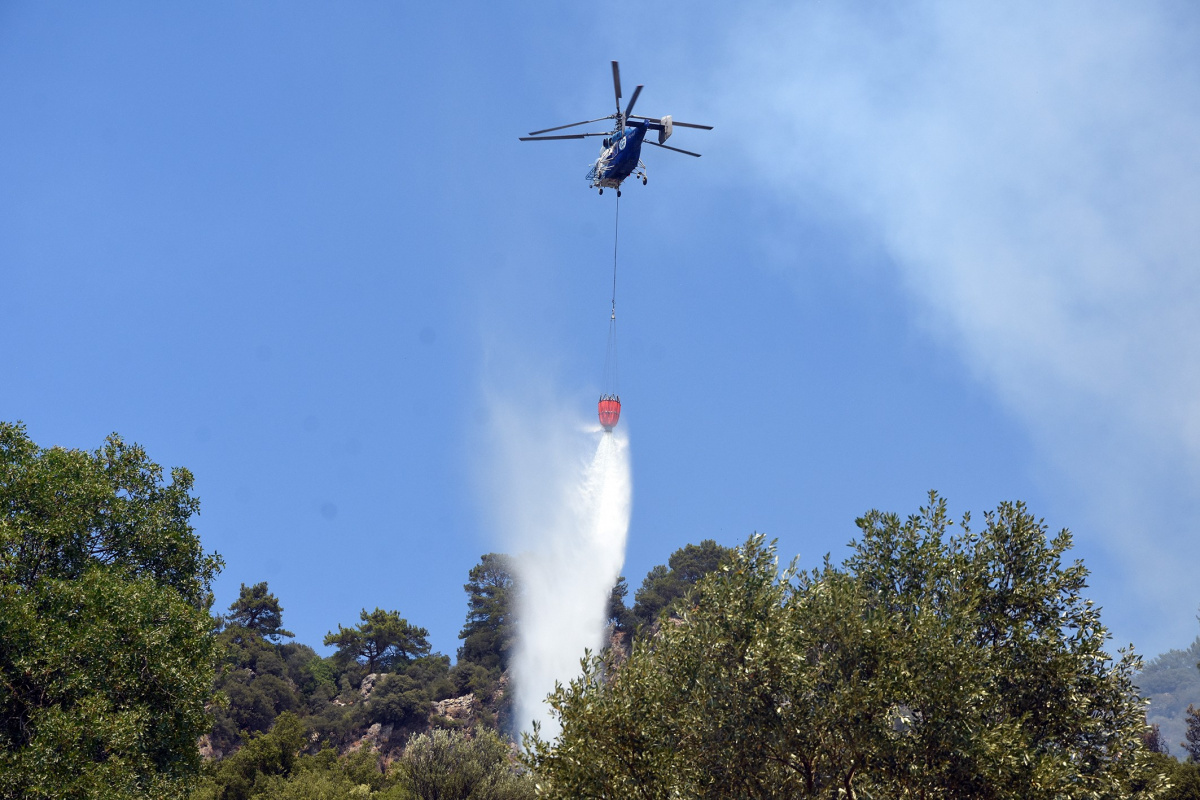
{"points": [[621, 153], [619, 158]]}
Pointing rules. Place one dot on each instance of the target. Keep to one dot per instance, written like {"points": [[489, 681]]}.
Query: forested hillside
{"points": [[382, 684], [383, 698], [937, 661], [1172, 683]]}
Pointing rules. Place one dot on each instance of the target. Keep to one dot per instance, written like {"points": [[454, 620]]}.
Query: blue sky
{"points": [[298, 249]]}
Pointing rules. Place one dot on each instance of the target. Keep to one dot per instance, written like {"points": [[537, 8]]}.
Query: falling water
{"points": [[568, 518]]}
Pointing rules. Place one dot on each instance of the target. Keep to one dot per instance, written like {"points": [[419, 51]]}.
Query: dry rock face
{"points": [[378, 734], [368, 685], [375, 738], [619, 647], [457, 708], [207, 751]]}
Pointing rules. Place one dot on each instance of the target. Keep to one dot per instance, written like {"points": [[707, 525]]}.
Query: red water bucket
{"points": [[609, 409]]}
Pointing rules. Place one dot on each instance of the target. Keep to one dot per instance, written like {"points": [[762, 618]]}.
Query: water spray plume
{"points": [[567, 581], [569, 527], [565, 499]]}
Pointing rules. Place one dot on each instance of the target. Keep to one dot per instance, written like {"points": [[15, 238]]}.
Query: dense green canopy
{"points": [[489, 630], [105, 638], [380, 642], [930, 665]]}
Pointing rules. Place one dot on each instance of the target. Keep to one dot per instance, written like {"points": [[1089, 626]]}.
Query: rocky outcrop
{"points": [[368, 685], [461, 709], [501, 689], [207, 751], [378, 734], [376, 737], [618, 649]]}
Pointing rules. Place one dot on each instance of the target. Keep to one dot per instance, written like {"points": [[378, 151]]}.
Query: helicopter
{"points": [[620, 155]]}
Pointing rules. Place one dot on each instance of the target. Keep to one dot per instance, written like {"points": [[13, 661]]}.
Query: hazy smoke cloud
{"points": [[1033, 172]]}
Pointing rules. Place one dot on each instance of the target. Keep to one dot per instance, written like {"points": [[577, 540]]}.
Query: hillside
{"points": [[1172, 682]]}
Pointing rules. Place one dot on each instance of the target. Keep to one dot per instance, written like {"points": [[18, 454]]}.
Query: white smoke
{"points": [[1032, 171], [563, 492]]}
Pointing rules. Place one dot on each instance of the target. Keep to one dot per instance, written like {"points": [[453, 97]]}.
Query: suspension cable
{"points": [[616, 234], [611, 387]]}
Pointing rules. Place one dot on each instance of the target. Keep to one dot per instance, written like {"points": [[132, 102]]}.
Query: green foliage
{"points": [[264, 756], [687, 701], [930, 665], [433, 673], [68, 511], [452, 765], [258, 679], [620, 616], [1191, 741], [325, 776], [105, 644], [380, 642], [252, 702], [441, 765], [665, 586], [338, 725], [399, 700], [258, 610], [308, 671], [1182, 780], [468, 678], [488, 632]]}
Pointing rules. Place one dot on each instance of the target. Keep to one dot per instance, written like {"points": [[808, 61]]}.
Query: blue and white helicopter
{"points": [[622, 146]]}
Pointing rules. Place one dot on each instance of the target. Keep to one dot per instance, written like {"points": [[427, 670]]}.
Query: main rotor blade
{"points": [[676, 124], [572, 125], [617, 85], [668, 147], [633, 100], [564, 136]]}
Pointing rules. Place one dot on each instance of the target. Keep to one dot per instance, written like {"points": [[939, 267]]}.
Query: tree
{"points": [[1153, 741], [1183, 779], [381, 641], [258, 610], [254, 686], [928, 665], [273, 754], [325, 776], [1192, 743], [448, 765], [399, 700], [665, 585], [488, 632], [255, 683], [1006, 688], [620, 616], [684, 715], [105, 639]]}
